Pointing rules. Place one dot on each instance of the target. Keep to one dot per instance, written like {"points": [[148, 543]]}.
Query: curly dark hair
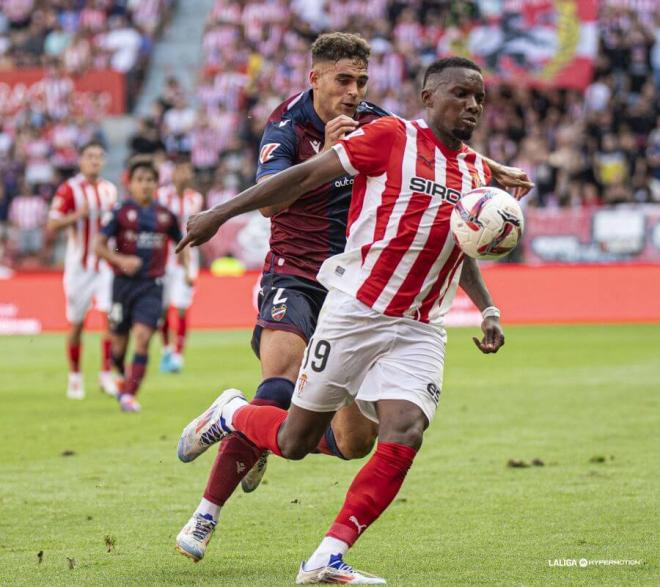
{"points": [[336, 46], [446, 63]]}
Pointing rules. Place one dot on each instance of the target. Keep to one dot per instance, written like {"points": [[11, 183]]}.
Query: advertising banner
{"points": [[597, 235], [103, 88], [31, 303]]}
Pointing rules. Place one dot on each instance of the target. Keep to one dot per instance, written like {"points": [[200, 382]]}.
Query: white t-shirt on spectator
{"points": [[179, 120], [125, 45]]}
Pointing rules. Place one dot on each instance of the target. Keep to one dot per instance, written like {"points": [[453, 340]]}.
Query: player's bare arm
{"points": [[269, 211], [55, 224], [127, 264], [292, 182], [474, 286], [512, 178]]}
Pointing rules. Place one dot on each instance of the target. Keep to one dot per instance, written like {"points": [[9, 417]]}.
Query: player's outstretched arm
{"points": [[512, 178], [286, 185], [474, 286]]}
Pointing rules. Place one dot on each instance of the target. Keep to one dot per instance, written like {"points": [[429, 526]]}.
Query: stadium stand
{"points": [[583, 149]]}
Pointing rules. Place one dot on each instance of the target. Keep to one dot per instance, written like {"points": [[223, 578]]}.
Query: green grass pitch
{"points": [[583, 399]]}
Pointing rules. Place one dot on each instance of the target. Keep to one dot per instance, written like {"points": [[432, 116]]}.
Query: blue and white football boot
{"points": [[195, 536], [207, 429], [336, 571]]}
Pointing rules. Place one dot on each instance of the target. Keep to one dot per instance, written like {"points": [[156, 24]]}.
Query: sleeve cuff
{"points": [[344, 159]]}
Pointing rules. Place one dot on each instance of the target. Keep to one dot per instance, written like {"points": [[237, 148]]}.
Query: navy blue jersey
{"points": [[313, 228], [143, 231]]}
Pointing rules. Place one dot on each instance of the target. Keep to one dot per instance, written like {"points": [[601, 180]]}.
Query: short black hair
{"points": [[142, 162], [90, 144], [337, 46], [446, 63]]}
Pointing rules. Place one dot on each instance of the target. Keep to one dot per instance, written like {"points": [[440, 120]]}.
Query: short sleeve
{"points": [[110, 222], [277, 150], [63, 202], [367, 150]]}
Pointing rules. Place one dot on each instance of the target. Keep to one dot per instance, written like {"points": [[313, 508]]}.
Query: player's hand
{"points": [[512, 178], [336, 129], [493, 336], [200, 228], [130, 264]]}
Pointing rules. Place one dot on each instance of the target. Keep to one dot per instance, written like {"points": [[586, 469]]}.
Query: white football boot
{"points": [[76, 387], [195, 536], [207, 429], [108, 383], [252, 480], [336, 571]]}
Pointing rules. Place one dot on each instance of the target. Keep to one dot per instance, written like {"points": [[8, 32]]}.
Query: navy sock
{"points": [[274, 391]]}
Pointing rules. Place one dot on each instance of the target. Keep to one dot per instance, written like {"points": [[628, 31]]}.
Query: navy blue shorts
{"points": [[135, 300], [288, 303]]}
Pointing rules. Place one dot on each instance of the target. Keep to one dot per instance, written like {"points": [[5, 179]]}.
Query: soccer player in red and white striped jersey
{"points": [[79, 205], [183, 202], [379, 340]]}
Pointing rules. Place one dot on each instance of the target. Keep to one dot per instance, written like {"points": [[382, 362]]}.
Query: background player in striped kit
{"points": [[142, 228], [183, 201], [379, 340], [79, 205]]}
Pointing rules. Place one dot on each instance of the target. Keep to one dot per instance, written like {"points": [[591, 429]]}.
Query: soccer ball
{"points": [[487, 223]]}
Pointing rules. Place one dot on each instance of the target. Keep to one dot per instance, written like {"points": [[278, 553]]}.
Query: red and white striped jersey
{"points": [[184, 207], [400, 258], [70, 196]]}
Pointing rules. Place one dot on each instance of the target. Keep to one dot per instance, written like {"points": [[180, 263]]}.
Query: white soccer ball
{"points": [[487, 223]]}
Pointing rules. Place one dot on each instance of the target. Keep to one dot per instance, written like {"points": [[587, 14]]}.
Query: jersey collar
{"points": [[310, 113]]}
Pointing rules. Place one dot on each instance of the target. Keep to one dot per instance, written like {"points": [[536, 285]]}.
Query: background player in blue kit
{"points": [[141, 228]]}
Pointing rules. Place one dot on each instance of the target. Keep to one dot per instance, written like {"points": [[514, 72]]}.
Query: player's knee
{"points": [[411, 436], [294, 450], [355, 446]]}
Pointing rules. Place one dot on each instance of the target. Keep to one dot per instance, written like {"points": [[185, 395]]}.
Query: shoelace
{"points": [[340, 565], [202, 528], [212, 435]]}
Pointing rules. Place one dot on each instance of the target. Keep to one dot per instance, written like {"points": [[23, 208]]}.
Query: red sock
{"points": [[236, 456], [138, 369], [181, 328], [372, 490], [165, 329], [260, 425], [106, 353], [74, 357]]}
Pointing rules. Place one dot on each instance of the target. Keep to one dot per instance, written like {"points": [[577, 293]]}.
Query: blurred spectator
{"points": [[27, 217], [146, 141]]}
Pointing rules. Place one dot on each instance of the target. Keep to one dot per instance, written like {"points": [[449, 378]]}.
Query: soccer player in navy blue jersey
{"points": [[305, 232], [142, 229]]}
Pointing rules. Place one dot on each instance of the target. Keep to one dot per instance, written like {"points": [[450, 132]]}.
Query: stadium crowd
{"points": [[588, 148], [40, 136]]}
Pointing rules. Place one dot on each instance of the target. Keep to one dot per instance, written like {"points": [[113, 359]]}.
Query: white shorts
{"points": [[358, 354], [81, 287], [176, 291]]}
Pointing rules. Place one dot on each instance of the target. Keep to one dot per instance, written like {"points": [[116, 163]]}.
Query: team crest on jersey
{"points": [[267, 152], [163, 217], [131, 215], [278, 312]]}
